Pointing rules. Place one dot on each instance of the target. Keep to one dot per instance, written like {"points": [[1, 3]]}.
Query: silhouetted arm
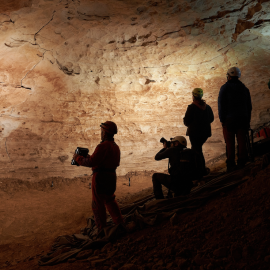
{"points": [[210, 114], [163, 153], [188, 119], [249, 105], [222, 104], [95, 159]]}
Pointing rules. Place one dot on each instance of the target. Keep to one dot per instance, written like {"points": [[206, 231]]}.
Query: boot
{"points": [[206, 171], [241, 163], [169, 195], [231, 166]]}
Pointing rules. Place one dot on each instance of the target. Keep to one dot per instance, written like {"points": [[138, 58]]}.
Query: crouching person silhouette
{"points": [[184, 167]]}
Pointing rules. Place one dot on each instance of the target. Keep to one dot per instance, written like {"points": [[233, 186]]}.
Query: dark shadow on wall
{"points": [[12, 5]]}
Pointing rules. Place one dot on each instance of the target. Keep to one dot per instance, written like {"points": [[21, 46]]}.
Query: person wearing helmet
{"points": [[179, 180], [234, 109], [104, 161], [198, 119]]}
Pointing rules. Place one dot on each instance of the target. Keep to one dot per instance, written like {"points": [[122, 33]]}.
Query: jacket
{"points": [[104, 161], [184, 163], [198, 119], [234, 102]]}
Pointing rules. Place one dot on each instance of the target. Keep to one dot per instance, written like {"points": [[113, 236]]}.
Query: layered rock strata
{"points": [[67, 66]]}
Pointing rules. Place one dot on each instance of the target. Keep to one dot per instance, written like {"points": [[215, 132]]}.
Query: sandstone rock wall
{"points": [[68, 65]]}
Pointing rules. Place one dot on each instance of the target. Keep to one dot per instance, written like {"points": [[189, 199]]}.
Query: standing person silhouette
{"points": [[234, 109], [198, 119], [104, 161]]}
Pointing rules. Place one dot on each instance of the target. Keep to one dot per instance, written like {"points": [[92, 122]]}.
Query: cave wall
{"points": [[68, 65]]}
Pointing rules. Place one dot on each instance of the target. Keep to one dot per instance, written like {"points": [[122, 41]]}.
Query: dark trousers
{"points": [[160, 179], [99, 204], [229, 136], [196, 144]]}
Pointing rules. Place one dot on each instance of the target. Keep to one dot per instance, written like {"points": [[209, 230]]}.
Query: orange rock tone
{"points": [[67, 66], [11, 5]]}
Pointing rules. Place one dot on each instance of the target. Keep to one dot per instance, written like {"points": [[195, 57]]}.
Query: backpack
{"points": [[264, 132], [190, 164]]}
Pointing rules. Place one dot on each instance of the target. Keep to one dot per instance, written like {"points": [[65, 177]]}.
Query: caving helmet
{"points": [[110, 127], [234, 72], [197, 92], [181, 139]]}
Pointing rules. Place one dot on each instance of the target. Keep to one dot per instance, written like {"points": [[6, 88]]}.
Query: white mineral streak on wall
{"points": [[67, 66]]}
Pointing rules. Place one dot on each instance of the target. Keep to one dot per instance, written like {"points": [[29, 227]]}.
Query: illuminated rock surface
{"points": [[67, 66]]}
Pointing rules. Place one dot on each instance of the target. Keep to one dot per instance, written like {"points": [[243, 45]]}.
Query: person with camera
{"points": [[198, 119], [183, 164], [104, 161]]}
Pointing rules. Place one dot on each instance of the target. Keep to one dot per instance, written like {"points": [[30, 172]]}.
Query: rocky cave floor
{"points": [[229, 232]]}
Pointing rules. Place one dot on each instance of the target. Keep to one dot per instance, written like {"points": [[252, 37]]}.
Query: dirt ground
{"points": [[32, 214]]}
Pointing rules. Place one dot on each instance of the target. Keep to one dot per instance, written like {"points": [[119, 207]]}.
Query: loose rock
{"points": [[181, 262], [267, 259], [174, 219], [84, 254], [129, 267], [106, 247], [236, 252], [220, 252]]}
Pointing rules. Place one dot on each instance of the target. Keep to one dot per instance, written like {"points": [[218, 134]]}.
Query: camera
{"points": [[168, 143], [81, 152]]}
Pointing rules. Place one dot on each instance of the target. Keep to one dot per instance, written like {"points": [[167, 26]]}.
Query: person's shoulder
{"points": [[187, 150], [100, 145], [191, 106], [191, 153], [115, 144], [106, 144], [243, 85], [111, 142], [224, 86], [103, 144], [107, 141]]}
